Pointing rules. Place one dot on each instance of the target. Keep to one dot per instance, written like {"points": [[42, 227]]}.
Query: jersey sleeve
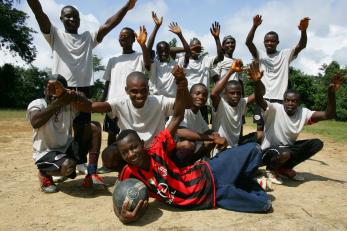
{"points": [[35, 106], [290, 54], [94, 35], [168, 105], [307, 115], [50, 36], [114, 108], [208, 61]]}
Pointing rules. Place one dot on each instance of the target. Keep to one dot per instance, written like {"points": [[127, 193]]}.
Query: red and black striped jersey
{"points": [[189, 187]]}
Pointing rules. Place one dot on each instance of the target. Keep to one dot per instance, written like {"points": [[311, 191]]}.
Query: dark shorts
{"points": [[53, 160], [110, 125]]}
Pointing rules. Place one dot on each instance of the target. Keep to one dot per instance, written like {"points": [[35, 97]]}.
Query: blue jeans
{"points": [[236, 188]]}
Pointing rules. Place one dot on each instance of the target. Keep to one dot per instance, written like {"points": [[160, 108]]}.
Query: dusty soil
{"points": [[319, 203]]}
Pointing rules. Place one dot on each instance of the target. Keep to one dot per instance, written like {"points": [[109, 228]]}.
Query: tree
{"points": [[15, 36], [98, 87]]}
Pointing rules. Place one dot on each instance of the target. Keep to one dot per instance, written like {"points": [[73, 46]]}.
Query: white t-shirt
{"points": [[281, 129], [276, 69], [223, 67], [161, 81], [72, 56], [117, 70], [55, 134], [227, 120], [198, 71], [194, 121], [147, 121]]}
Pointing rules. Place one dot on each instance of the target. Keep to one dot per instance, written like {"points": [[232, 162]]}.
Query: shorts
{"points": [[110, 125], [53, 160]]}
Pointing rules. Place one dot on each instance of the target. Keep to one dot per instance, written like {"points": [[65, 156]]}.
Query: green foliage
{"points": [[173, 42], [15, 36], [97, 90]]}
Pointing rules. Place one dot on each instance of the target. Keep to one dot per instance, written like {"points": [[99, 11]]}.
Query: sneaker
{"points": [[94, 180], [47, 185], [59, 179], [265, 183], [290, 173], [104, 170], [82, 169], [273, 177]]}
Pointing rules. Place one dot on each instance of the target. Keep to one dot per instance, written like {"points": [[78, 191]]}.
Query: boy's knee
{"points": [[68, 167]]}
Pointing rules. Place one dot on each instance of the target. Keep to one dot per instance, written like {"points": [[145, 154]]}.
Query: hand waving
{"points": [[215, 29], [156, 20], [56, 88], [257, 20], [142, 36], [174, 28], [253, 72], [304, 23], [236, 66], [336, 81]]}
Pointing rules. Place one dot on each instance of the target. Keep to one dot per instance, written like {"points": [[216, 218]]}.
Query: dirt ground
{"points": [[319, 203]]}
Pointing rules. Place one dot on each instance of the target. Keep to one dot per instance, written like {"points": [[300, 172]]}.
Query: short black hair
{"points": [[163, 43], [291, 91], [193, 40], [68, 6], [57, 77], [197, 85], [233, 83], [125, 133], [228, 37], [272, 33], [137, 75]]}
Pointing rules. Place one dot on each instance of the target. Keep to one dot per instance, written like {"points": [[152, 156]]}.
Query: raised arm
{"points": [[330, 111], [257, 20], [218, 88], [215, 31], [157, 23], [141, 39], [174, 28], [41, 18], [303, 38], [114, 20], [181, 100], [259, 90]]}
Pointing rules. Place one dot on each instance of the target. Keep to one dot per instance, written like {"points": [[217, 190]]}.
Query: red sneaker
{"points": [[93, 180], [47, 185]]}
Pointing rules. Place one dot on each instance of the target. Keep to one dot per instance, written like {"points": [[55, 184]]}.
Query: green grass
{"points": [[334, 130]]}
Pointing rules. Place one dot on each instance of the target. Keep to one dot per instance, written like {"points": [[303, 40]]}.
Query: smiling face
{"points": [[271, 42], [229, 45], [199, 96], [291, 103], [232, 94], [132, 150], [70, 17], [137, 89]]}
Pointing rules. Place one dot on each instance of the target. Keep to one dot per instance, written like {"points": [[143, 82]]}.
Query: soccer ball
{"points": [[131, 189]]}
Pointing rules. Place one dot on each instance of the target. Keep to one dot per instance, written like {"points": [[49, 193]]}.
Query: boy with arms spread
{"points": [[51, 118], [139, 111], [225, 181], [274, 63], [161, 81], [283, 124], [227, 111], [73, 58]]}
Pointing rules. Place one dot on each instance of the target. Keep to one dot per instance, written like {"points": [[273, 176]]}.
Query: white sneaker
{"points": [[265, 183], [273, 177], [82, 169], [59, 179], [298, 177]]}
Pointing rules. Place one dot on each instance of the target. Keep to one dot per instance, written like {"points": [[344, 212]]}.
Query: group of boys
{"points": [[164, 138]]}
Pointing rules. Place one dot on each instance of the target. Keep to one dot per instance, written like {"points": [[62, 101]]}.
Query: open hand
{"points": [[179, 74], [304, 23], [156, 20], [336, 81], [174, 28], [257, 20], [215, 29], [236, 66], [253, 72], [127, 216], [131, 4], [142, 36]]}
